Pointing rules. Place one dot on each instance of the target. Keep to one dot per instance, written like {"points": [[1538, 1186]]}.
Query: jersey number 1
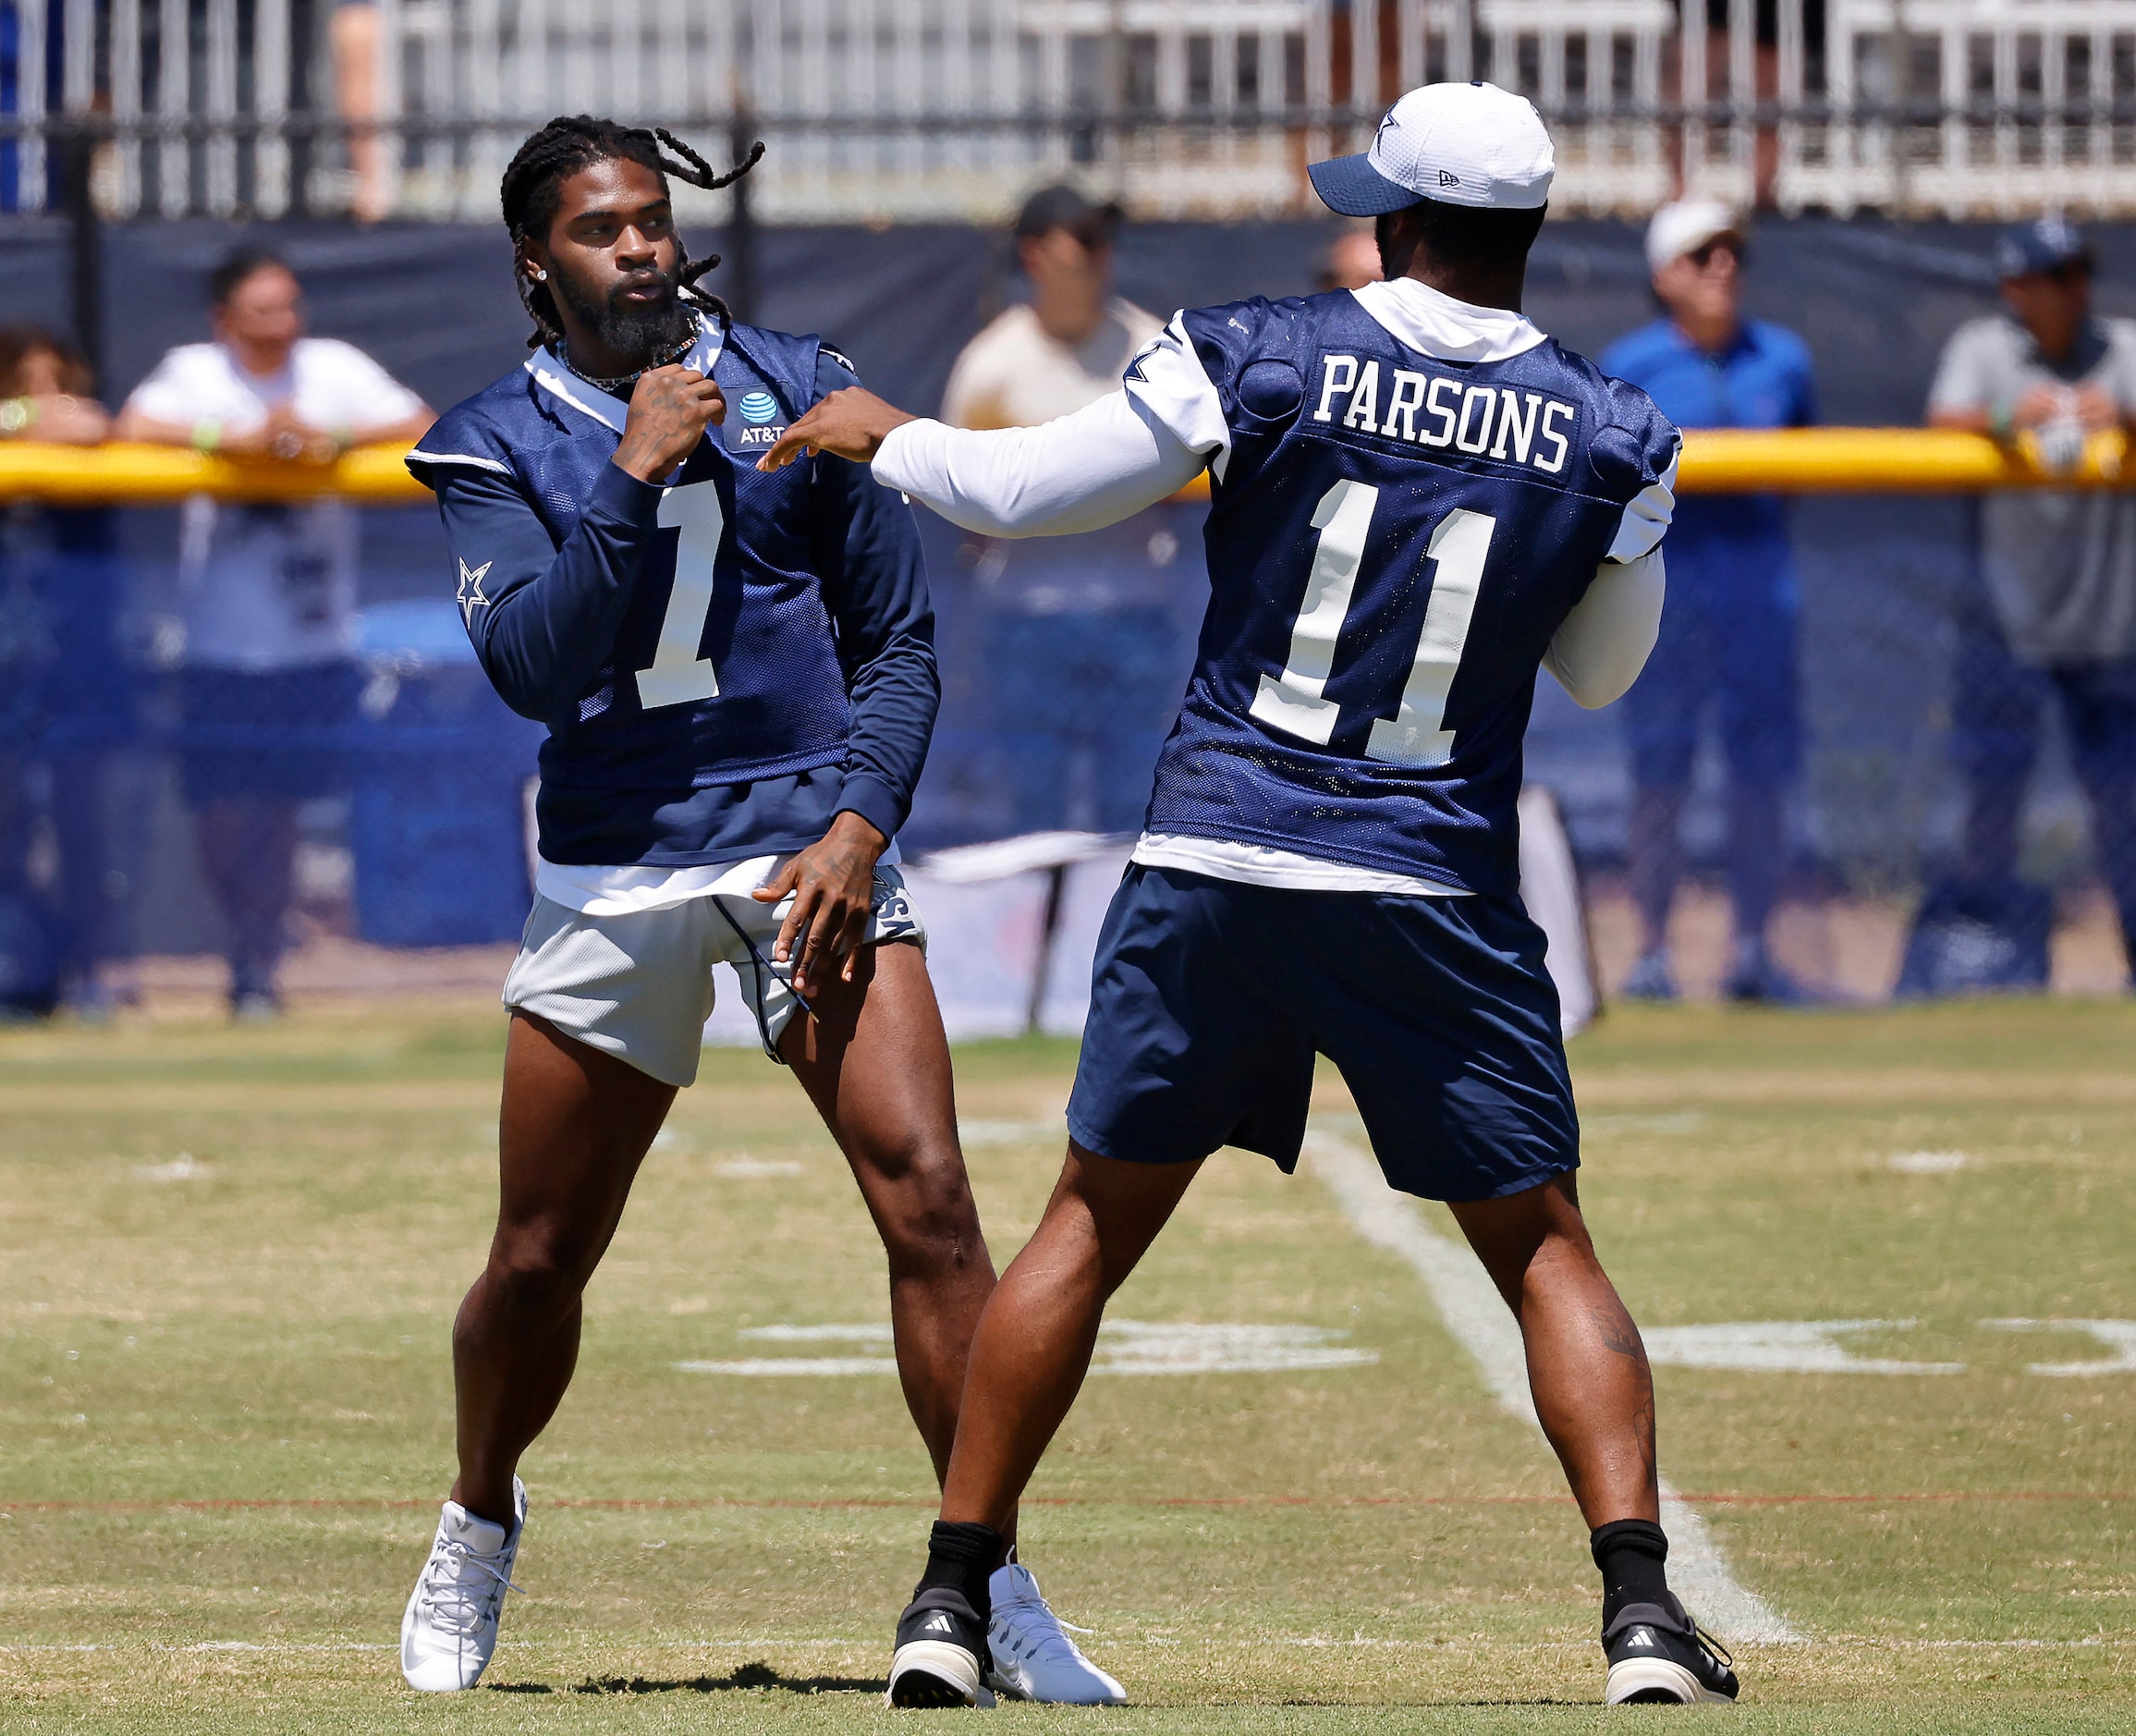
{"points": [[1296, 701], [679, 674]]}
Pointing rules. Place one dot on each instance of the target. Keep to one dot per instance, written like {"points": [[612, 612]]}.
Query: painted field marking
{"points": [[1480, 1320], [184, 1167], [2117, 1336], [1125, 1347], [1144, 1347], [1040, 1132], [777, 1366], [745, 1169], [1927, 1162], [1796, 1346]]}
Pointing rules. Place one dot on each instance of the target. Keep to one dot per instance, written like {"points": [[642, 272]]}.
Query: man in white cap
{"points": [[1729, 637], [1417, 499]]}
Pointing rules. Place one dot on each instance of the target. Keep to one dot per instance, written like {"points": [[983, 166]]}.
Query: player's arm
{"points": [[874, 580], [1604, 642], [1105, 462], [544, 619], [1601, 645]]}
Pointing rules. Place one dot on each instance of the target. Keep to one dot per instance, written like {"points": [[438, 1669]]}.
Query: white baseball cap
{"points": [[1462, 144], [1685, 226]]}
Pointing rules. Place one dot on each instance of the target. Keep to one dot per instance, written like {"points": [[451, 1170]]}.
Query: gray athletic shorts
{"points": [[638, 987]]}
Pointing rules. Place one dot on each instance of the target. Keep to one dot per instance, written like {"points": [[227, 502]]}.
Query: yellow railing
{"points": [[153, 476], [1881, 462], [1717, 461]]}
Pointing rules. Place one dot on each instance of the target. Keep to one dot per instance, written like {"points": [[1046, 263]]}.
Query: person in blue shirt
{"points": [[1729, 638], [1418, 500], [737, 675]]}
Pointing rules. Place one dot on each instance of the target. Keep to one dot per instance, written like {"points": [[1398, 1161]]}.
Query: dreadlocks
{"points": [[531, 188]]}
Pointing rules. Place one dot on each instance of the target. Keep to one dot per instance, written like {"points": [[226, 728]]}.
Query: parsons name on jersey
{"points": [[1441, 409], [1399, 523]]}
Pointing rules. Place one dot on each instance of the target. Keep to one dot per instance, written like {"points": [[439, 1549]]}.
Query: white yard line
{"points": [[1476, 1316]]}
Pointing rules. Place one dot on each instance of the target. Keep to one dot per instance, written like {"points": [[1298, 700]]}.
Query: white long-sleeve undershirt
{"points": [[1081, 471], [1110, 459]]}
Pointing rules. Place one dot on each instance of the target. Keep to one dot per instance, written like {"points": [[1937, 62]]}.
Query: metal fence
{"points": [[898, 110]]}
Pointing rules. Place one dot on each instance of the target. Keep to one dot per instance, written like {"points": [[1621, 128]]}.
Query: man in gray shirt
{"points": [[2058, 570]]}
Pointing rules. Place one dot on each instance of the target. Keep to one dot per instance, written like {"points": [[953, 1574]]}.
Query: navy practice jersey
{"points": [[1393, 541], [723, 662]]}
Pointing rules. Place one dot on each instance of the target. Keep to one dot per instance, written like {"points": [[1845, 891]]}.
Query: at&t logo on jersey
{"points": [[1441, 409], [760, 415]]}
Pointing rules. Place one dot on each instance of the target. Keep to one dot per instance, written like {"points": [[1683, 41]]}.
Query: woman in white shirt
{"points": [[268, 678]]}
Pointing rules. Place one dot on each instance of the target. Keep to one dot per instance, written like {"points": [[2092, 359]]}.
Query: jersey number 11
{"points": [[1296, 701]]}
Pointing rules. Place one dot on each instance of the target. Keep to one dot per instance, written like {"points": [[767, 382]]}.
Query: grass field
{"points": [[228, 1262]]}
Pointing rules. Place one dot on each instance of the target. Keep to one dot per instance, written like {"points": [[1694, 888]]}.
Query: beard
{"points": [[642, 331]]}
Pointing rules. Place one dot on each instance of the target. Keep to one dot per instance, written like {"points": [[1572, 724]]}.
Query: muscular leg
{"points": [[876, 1065], [1586, 1366], [575, 1126], [1036, 1335]]}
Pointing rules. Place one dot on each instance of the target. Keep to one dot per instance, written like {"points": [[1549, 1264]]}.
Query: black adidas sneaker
{"points": [[1658, 1655], [941, 1656]]}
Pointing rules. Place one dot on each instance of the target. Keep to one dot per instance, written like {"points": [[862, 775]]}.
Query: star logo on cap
{"points": [[470, 596], [1389, 120]]}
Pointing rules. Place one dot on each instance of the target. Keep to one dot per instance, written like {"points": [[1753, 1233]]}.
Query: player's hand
{"points": [[833, 883], [849, 424], [670, 409]]}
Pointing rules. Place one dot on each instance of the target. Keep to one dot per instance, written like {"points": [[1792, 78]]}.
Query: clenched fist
{"points": [[669, 411]]}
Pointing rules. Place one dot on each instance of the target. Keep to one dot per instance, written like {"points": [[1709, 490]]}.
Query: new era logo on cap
{"points": [[1464, 144]]}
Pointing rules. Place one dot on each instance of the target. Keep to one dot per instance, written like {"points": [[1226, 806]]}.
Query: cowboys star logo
{"points": [[471, 592]]}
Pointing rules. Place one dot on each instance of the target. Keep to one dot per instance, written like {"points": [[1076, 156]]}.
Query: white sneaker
{"points": [[1033, 1657], [450, 1626]]}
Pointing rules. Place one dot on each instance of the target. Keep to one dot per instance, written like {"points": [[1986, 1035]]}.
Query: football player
{"points": [[737, 674], [1417, 498]]}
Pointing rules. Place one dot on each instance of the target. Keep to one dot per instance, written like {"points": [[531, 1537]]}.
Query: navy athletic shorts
{"points": [[1210, 999]]}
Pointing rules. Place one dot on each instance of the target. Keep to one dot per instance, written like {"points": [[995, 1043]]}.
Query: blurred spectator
{"points": [[354, 36], [1080, 638], [1728, 636], [1067, 347], [66, 696], [268, 680], [2055, 614], [1352, 261]]}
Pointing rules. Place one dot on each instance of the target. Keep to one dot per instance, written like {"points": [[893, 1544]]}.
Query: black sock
{"points": [[963, 1556], [1630, 1552]]}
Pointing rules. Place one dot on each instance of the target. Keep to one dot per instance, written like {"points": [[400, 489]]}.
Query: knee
{"points": [[537, 1271], [928, 1219]]}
